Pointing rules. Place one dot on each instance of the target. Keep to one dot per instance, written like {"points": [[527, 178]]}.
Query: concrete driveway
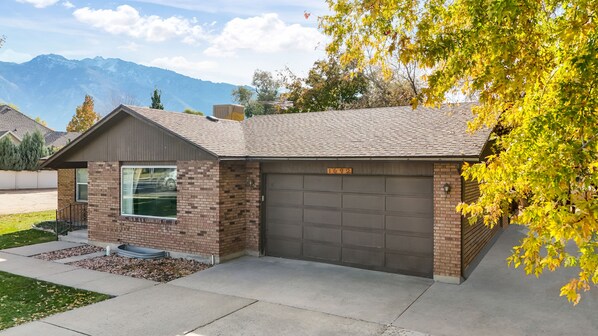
{"points": [[343, 291], [270, 296], [22, 201]]}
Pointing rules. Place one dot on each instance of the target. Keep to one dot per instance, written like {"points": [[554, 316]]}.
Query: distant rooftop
{"points": [[19, 124]]}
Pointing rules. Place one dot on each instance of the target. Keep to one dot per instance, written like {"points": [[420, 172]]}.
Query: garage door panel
{"points": [[284, 248], [363, 202], [321, 251], [409, 186], [374, 222], [361, 238], [369, 258], [323, 182], [285, 230], [325, 199], [330, 217], [409, 244], [285, 197], [406, 204], [410, 264], [364, 184], [285, 182], [322, 234], [284, 214], [420, 225], [363, 220]]}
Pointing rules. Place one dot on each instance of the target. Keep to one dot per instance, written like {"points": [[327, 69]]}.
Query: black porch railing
{"points": [[70, 218]]}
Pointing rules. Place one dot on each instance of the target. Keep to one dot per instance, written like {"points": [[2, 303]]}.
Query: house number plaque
{"points": [[339, 171]]}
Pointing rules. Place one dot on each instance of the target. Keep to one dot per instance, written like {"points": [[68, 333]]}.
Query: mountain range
{"points": [[51, 87]]}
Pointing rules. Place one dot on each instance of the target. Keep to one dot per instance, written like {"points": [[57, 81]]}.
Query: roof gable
{"points": [[15, 139], [123, 135], [18, 123]]}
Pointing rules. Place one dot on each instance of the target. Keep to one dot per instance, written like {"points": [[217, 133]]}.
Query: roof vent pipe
{"points": [[212, 118]]}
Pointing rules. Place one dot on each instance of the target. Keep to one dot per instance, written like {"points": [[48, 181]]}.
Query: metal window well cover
{"points": [[131, 251]]}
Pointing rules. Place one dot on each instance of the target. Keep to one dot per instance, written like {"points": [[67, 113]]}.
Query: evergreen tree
{"points": [[9, 155], [32, 148], [156, 103]]}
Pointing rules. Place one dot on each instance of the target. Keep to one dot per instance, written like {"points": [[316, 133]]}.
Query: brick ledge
{"points": [[148, 220]]}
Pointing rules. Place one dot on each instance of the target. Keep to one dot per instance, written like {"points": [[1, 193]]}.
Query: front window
{"points": [[148, 191], [81, 184]]}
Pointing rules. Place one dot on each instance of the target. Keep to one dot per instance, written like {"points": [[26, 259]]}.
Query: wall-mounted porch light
{"points": [[447, 188]]}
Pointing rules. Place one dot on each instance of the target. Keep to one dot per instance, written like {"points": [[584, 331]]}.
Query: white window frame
{"points": [[77, 183], [121, 191]]}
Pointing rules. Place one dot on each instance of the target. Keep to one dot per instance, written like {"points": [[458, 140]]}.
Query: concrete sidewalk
{"points": [[105, 283], [31, 250]]}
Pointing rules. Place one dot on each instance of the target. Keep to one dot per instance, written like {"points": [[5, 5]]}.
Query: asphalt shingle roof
{"points": [[390, 132], [60, 139], [222, 138], [18, 123]]}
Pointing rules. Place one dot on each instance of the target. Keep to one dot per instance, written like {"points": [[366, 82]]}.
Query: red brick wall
{"points": [[447, 222], [194, 231], [217, 210], [233, 182], [66, 189], [253, 201], [239, 207]]}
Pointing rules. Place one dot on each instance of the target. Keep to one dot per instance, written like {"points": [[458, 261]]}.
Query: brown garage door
{"points": [[375, 222]]}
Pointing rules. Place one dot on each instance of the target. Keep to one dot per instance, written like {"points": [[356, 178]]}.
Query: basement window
{"points": [[81, 177], [149, 191]]}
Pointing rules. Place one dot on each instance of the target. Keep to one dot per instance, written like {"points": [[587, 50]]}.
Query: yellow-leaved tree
{"points": [[533, 66], [84, 116]]}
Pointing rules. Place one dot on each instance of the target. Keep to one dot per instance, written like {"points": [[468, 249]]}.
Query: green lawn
{"points": [[19, 222], [15, 230], [24, 299]]}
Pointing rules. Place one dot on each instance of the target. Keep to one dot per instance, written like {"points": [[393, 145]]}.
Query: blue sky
{"points": [[221, 41]]}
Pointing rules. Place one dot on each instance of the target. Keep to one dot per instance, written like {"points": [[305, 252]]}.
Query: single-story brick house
{"points": [[372, 188]]}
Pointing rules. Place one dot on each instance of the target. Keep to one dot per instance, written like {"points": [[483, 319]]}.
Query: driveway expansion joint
{"points": [[65, 328], [221, 317], [412, 303]]}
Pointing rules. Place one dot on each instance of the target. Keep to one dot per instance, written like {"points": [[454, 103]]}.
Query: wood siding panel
{"points": [[126, 138], [359, 167], [478, 235]]}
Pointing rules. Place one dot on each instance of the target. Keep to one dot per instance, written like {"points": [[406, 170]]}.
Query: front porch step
{"points": [[79, 236]]}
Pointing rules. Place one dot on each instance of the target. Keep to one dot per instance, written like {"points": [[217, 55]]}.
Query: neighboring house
{"points": [[18, 124], [13, 138], [373, 188]]}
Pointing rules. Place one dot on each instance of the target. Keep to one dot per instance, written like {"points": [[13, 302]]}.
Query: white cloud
{"points": [[9, 55], [125, 20], [39, 3], [131, 46], [184, 66], [68, 4], [265, 34]]}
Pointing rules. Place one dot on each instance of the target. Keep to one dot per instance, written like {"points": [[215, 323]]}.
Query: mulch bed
{"points": [[69, 252], [160, 270]]}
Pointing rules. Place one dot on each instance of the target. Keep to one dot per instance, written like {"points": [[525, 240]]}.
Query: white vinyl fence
{"points": [[42, 179]]}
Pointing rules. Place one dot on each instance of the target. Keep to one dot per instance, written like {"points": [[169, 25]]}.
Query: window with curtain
{"points": [[81, 177], [148, 191]]}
